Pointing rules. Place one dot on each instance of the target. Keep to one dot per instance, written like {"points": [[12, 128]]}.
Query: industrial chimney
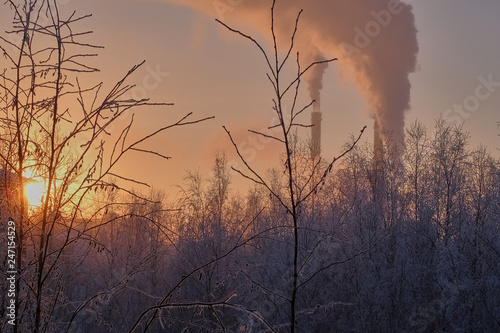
{"points": [[378, 147], [378, 164], [316, 132]]}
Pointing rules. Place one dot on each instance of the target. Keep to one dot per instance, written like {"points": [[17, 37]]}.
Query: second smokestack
{"points": [[378, 163], [378, 146]]}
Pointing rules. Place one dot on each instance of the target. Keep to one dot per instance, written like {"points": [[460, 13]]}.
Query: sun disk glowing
{"points": [[34, 192]]}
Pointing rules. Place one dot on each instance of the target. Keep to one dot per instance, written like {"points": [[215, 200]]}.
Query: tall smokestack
{"points": [[314, 79], [378, 164], [316, 133], [378, 147]]}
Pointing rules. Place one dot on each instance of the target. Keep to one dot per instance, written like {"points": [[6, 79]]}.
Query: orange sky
{"points": [[205, 70]]}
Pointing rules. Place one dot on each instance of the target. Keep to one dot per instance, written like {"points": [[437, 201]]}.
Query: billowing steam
{"points": [[375, 41], [314, 78]]}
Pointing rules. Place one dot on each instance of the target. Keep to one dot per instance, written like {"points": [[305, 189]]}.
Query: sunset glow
{"points": [[35, 191]]}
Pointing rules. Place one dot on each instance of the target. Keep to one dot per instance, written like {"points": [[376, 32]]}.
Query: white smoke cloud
{"points": [[375, 41], [314, 77]]}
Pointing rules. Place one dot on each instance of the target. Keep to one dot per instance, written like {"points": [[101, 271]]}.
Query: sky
{"points": [[199, 66]]}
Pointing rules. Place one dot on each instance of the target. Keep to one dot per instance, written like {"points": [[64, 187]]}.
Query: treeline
{"points": [[417, 253]]}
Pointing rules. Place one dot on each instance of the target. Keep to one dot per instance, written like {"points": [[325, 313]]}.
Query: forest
{"points": [[374, 240]]}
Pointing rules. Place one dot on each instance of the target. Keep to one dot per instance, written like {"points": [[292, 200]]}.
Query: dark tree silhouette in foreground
{"points": [[60, 131], [297, 193]]}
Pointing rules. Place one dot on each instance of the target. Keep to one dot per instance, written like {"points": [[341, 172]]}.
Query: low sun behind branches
{"points": [[35, 191]]}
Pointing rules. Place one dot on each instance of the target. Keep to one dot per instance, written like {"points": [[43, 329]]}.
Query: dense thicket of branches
{"points": [[58, 129]]}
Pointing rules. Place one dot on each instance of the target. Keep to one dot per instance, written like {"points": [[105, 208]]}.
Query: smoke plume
{"points": [[314, 78], [375, 41]]}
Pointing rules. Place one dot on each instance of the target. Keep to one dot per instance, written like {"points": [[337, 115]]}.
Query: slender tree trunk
{"points": [[44, 238], [20, 178], [295, 232]]}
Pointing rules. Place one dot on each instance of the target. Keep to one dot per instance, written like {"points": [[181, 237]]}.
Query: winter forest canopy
{"points": [[398, 235]]}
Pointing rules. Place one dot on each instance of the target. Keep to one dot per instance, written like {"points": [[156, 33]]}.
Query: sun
{"points": [[35, 191]]}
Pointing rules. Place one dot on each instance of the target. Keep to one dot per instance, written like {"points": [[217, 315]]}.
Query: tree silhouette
{"points": [[297, 193], [55, 129]]}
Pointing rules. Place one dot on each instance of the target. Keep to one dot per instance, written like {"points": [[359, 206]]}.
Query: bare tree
{"points": [[297, 193], [59, 132]]}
